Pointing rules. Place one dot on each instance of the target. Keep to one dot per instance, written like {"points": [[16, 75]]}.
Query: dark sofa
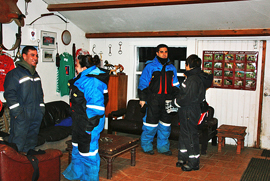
{"points": [[55, 113], [50, 135], [129, 120]]}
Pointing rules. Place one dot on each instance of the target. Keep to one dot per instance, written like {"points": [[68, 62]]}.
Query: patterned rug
{"points": [[258, 169], [266, 153]]}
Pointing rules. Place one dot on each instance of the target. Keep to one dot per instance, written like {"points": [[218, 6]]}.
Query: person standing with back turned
{"points": [[24, 95], [158, 83], [88, 97], [191, 103]]}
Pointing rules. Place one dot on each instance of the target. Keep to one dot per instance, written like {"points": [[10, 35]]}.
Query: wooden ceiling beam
{"points": [[125, 4], [200, 33]]}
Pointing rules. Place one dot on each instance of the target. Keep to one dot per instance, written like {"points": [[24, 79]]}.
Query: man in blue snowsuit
{"points": [[24, 95], [158, 83]]}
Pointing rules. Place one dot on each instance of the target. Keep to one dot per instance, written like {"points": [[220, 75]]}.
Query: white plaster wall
{"points": [[128, 57], [46, 70]]}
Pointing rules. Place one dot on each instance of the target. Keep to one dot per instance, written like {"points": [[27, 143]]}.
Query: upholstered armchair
{"points": [[16, 166]]}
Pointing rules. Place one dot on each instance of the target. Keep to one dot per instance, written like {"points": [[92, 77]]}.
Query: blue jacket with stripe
{"points": [[88, 97], [158, 79]]}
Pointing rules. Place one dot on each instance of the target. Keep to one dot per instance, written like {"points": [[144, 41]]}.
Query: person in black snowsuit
{"points": [[24, 96], [189, 101]]}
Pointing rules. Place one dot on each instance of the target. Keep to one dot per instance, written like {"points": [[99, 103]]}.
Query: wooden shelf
{"points": [[117, 90]]}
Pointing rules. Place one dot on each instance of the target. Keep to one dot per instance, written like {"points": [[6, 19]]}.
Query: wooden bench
{"points": [[111, 146], [231, 131]]}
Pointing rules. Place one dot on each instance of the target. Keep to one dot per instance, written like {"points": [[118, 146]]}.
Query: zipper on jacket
{"points": [[163, 81]]}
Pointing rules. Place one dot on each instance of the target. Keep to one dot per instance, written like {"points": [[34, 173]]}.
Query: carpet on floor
{"points": [[258, 169], [266, 153]]}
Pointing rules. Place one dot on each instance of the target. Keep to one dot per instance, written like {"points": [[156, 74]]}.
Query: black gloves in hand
{"points": [[170, 107]]}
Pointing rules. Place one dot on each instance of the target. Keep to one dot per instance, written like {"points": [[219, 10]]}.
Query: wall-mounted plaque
{"points": [[232, 69]]}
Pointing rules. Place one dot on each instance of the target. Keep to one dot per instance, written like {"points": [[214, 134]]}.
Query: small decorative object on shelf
{"points": [[107, 65], [117, 69]]}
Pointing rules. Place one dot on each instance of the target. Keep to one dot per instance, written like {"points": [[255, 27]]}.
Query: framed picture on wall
{"points": [[48, 39], [47, 55], [232, 69]]}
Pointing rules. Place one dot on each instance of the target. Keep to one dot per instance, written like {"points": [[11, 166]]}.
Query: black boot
{"points": [[180, 163], [189, 168], [151, 152], [168, 153]]}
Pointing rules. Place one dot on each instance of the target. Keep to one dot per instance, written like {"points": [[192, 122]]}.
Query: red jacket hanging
{"points": [[6, 65]]}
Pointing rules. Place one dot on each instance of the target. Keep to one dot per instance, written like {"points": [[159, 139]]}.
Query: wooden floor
{"points": [[221, 166]]}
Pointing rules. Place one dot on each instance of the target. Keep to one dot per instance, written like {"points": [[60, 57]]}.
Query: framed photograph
{"points": [[207, 64], [208, 56], [218, 65], [218, 73], [229, 57], [48, 39], [238, 82], [228, 65], [232, 69], [217, 82], [218, 56], [47, 55]]}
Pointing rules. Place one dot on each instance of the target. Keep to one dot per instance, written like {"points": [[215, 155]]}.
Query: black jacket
{"points": [[192, 93], [192, 90], [23, 91]]}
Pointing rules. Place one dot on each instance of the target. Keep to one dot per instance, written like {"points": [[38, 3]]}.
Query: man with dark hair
{"points": [[158, 83], [189, 101], [24, 96]]}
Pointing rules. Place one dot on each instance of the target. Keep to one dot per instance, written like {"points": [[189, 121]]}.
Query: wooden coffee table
{"points": [[231, 131], [111, 146]]}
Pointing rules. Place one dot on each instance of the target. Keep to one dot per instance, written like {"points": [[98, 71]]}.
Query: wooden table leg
{"points": [[219, 143], [133, 156], [109, 168], [223, 141], [239, 146], [69, 156]]}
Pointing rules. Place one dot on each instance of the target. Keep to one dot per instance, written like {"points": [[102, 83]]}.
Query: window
{"points": [[177, 55]]}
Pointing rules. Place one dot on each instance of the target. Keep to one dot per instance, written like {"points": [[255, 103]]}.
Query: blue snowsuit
{"points": [[157, 83], [88, 96], [24, 95]]}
